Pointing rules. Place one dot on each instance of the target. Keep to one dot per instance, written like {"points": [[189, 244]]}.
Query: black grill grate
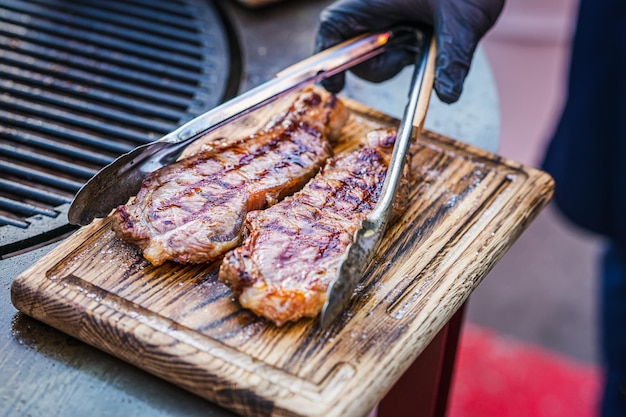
{"points": [[82, 82]]}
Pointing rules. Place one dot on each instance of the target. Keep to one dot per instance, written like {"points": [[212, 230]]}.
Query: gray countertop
{"points": [[46, 373]]}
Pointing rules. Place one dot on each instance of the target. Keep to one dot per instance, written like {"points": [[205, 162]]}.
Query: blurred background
{"points": [[531, 336]]}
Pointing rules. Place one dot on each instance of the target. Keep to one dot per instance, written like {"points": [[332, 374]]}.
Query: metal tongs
{"points": [[368, 237], [115, 183]]}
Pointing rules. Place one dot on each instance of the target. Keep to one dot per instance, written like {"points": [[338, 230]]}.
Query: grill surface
{"points": [[83, 82]]}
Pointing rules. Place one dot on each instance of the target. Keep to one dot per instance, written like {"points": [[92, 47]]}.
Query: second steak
{"points": [[292, 250]]}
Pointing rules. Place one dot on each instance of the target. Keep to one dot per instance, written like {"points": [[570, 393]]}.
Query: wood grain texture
{"points": [[181, 324]]}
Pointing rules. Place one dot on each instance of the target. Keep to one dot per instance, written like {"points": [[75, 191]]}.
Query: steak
{"points": [[292, 250], [192, 210]]}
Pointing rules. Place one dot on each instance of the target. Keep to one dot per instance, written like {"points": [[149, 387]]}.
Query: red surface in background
{"points": [[501, 377]]}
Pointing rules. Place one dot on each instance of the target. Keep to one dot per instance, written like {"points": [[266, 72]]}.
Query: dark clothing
{"points": [[587, 155], [587, 158], [613, 331]]}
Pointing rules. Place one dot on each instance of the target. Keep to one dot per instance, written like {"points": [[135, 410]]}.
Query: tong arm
{"points": [[367, 238]]}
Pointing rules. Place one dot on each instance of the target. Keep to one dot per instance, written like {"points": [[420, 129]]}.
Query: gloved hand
{"points": [[458, 26]]}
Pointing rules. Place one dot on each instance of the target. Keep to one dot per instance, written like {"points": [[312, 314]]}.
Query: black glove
{"points": [[458, 26]]}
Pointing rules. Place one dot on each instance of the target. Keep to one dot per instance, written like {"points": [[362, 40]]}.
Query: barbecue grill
{"points": [[83, 82]]}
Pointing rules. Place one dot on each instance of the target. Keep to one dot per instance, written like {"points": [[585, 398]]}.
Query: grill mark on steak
{"points": [[192, 211], [293, 249]]}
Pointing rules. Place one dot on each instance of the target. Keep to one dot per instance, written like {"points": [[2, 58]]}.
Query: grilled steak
{"points": [[292, 250], [193, 210]]}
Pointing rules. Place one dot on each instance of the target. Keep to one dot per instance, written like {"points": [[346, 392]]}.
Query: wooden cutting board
{"points": [[181, 324]]}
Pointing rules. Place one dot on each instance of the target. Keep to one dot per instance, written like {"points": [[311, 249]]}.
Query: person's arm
{"points": [[458, 25]]}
